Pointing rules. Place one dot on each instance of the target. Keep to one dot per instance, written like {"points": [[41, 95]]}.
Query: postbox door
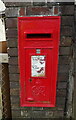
{"points": [[38, 74]]}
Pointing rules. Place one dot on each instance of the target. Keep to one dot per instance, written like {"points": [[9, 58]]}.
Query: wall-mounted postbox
{"points": [[38, 45]]}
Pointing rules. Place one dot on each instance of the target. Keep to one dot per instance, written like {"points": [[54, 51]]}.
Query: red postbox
{"points": [[38, 44]]}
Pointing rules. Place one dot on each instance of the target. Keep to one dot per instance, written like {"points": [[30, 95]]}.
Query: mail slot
{"points": [[38, 44]]}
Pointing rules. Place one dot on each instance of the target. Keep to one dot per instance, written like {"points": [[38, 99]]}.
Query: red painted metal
{"points": [[38, 44]]}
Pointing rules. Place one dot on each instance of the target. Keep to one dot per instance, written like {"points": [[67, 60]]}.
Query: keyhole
{"points": [[30, 80]]}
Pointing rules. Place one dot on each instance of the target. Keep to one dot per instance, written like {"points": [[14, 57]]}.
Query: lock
{"points": [[30, 80]]}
